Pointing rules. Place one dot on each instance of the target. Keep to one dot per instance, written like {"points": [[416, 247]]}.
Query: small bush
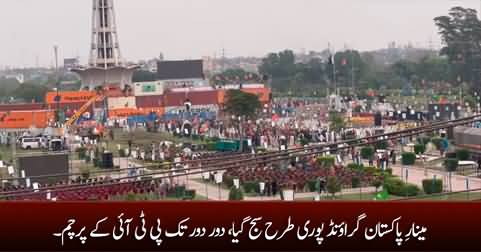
{"points": [[81, 152], [333, 186], [235, 194], [311, 185], [462, 154], [367, 152], [326, 162], [189, 194], [211, 146], [451, 164], [388, 171], [408, 158], [419, 149], [396, 186], [410, 190], [356, 182], [179, 191], [424, 140], [355, 167], [251, 187], [377, 183], [382, 145], [437, 141], [370, 170], [304, 141], [432, 186]]}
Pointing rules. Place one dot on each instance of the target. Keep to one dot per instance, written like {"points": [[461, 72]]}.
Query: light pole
{"points": [[55, 48]]}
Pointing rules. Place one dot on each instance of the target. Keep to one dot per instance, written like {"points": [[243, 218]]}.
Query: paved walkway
{"points": [[213, 192], [415, 175]]}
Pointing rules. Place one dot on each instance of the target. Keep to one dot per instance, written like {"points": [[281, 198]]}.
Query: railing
{"points": [[470, 195]]}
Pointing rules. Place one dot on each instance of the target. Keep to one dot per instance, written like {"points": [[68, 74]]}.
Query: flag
{"points": [[331, 60], [383, 195]]}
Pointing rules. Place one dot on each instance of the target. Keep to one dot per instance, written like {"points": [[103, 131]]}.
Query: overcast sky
{"points": [[183, 29]]}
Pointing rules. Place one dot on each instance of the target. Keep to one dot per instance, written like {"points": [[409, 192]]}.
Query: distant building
{"points": [[185, 73], [69, 63], [19, 77]]}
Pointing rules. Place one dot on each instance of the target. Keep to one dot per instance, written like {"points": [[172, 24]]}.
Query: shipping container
{"points": [[174, 99], [263, 93], [22, 107], [148, 88], [72, 106], [69, 97], [25, 119], [157, 110], [149, 101], [121, 102], [125, 112]]}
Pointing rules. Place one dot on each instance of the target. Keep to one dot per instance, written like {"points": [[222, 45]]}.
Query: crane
{"points": [[76, 116]]}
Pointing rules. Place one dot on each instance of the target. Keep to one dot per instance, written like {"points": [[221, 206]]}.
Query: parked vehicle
{"points": [[55, 145], [28, 143]]}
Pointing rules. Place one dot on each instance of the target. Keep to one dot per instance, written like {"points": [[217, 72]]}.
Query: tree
{"points": [[336, 121], [333, 185], [288, 75], [30, 92], [451, 165], [239, 103], [7, 86], [349, 67], [460, 31]]}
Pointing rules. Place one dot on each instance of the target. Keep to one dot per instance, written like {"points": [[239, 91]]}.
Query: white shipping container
{"points": [[149, 88], [121, 102], [195, 109]]}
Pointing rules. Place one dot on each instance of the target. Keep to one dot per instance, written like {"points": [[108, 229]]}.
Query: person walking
{"points": [[479, 164]]}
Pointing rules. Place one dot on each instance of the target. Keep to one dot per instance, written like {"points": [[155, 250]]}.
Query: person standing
{"points": [[479, 164], [393, 157]]}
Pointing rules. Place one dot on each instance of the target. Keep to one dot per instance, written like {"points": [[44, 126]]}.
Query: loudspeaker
{"points": [[378, 119], [107, 160]]}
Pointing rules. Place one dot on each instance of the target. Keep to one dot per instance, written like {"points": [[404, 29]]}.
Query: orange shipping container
{"points": [[69, 96], [25, 119], [263, 93], [126, 112], [158, 110]]}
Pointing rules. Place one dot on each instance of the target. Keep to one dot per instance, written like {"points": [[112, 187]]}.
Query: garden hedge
{"points": [[431, 186]]}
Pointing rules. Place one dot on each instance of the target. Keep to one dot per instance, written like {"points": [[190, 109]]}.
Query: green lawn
{"points": [[349, 197], [152, 197], [371, 196]]}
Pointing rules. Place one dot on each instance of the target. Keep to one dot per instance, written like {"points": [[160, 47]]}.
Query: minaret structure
{"points": [[106, 66]]}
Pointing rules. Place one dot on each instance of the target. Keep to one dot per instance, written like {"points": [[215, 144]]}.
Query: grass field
{"points": [[152, 197], [462, 196]]}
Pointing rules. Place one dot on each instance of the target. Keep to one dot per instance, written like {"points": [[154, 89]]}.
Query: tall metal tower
{"points": [[105, 49], [105, 66]]}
